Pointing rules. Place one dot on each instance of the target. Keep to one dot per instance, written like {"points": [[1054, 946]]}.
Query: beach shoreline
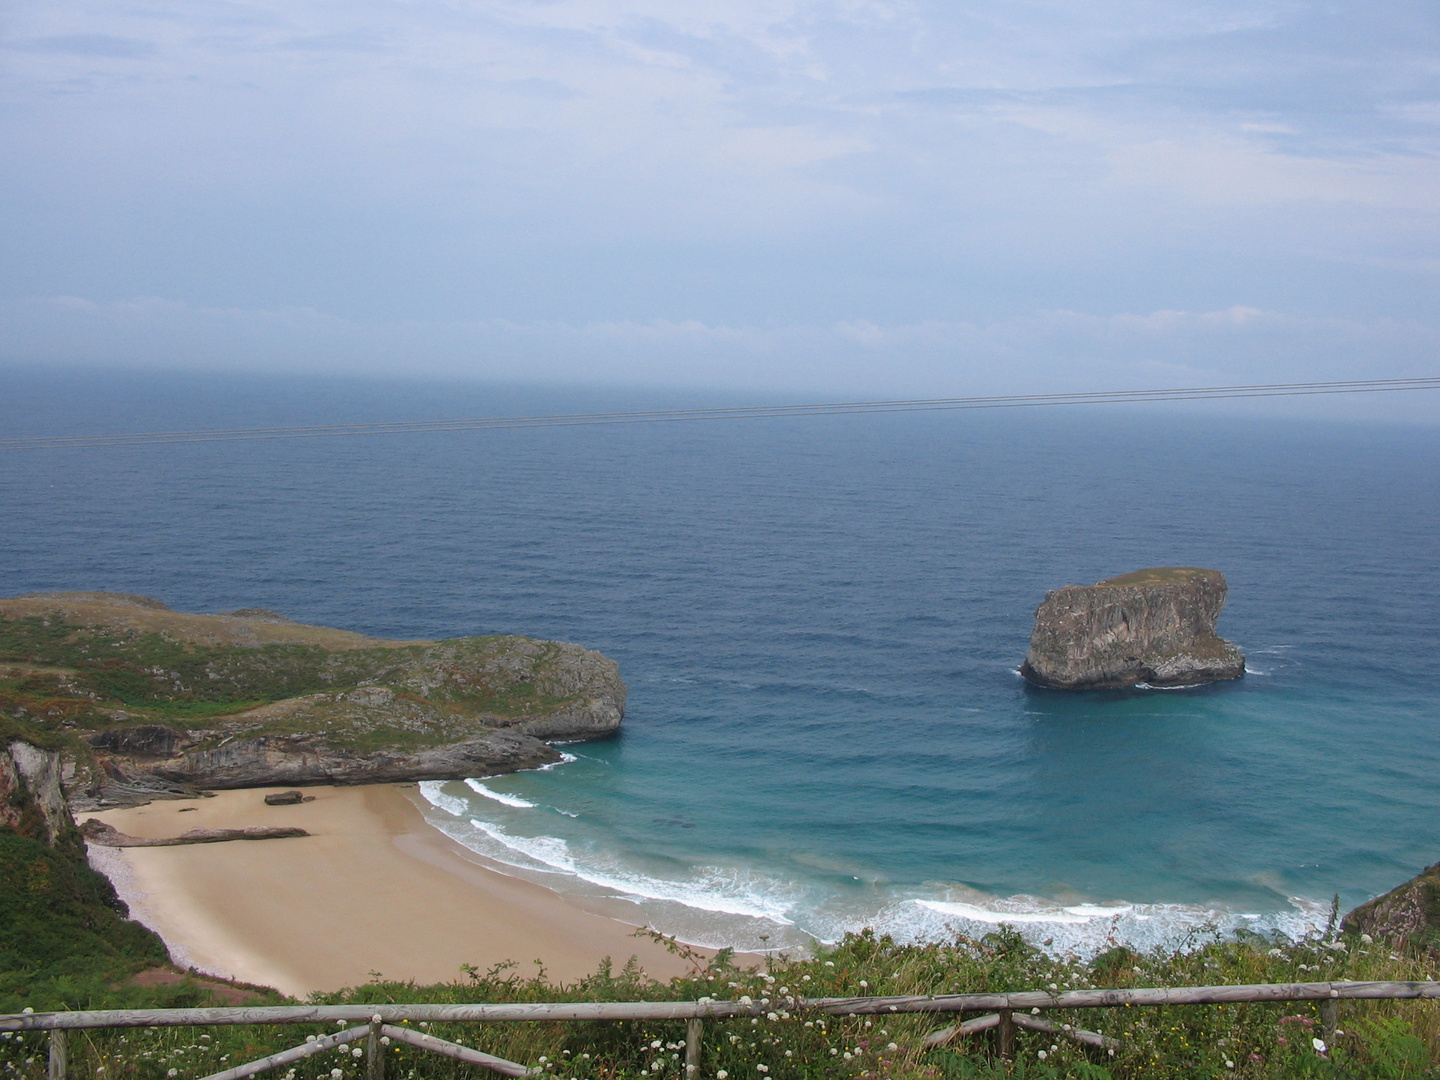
{"points": [[373, 889]]}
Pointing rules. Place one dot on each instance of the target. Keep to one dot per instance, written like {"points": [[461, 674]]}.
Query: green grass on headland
{"points": [[1378, 1039]]}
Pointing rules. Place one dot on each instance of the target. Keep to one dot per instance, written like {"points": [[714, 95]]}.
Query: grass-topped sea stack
{"points": [[1154, 626]]}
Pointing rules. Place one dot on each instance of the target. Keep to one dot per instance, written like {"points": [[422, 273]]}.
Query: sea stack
{"points": [[1154, 626]]}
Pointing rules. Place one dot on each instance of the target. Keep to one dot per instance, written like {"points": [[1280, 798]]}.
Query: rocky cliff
{"points": [[147, 701], [1153, 626], [1409, 913]]}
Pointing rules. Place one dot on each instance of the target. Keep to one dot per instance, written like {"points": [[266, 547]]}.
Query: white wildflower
{"points": [[357, 1052], [1319, 1045], [892, 1046], [336, 1074], [722, 1075], [1040, 1054]]}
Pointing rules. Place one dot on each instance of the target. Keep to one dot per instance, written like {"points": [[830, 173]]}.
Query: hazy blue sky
{"points": [[828, 197]]}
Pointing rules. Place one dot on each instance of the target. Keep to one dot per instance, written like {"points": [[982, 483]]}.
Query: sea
{"points": [[820, 621]]}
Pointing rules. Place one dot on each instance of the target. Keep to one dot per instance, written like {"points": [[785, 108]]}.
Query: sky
{"points": [[829, 197]]}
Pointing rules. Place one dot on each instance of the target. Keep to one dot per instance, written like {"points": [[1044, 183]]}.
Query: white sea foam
{"points": [[713, 890], [979, 914], [565, 759], [500, 797], [433, 793]]}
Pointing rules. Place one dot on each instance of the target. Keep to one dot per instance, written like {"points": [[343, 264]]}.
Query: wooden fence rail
{"points": [[1009, 1010]]}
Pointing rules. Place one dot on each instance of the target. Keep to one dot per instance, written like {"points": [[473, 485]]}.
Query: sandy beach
{"points": [[373, 888]]}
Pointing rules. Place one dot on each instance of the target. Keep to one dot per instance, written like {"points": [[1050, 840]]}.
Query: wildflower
{"points": [[833, 1051], [772, 1016], [829, 963], [1229, 1064], [762, 1068], [384, 1040], [747, 1000], [1040, 1054], [1366, 939], [722, 1075], [336, 1074], [357, 1052], [173, 1073], [655, 1044], [848, 1055], [343, 1047], [804, 978], [789, 1053], [1319, 1045], [309, 1038]]}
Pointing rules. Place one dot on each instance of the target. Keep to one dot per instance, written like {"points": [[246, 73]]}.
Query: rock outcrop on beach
{"points": [[1407, 914], [1154, 626], [149, 702], [106, 835]]}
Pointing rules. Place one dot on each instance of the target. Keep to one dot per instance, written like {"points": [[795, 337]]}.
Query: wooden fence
{"points": [[1004, 1012]]}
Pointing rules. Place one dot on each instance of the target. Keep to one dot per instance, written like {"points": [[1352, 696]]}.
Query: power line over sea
{"points": [[746, 412]]}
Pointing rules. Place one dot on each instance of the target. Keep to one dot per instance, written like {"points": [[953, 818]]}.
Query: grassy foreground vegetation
{"points": [[1377, 1039]]}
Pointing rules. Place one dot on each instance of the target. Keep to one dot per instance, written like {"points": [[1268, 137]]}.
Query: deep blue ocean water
{"points": [[819, 621]]}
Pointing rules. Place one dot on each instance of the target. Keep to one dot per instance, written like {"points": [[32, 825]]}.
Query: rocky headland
{"points": [[1408, 913], [1153, 626], [136, 701]]}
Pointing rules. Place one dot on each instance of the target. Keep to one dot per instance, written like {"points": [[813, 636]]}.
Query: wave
{"points": [[506, 800], [708, 892]]}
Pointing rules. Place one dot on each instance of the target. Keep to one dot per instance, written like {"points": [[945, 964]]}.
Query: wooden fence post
{"points": [[1329, 1018], [693, 1028], [57, 1054], [1006, 1031], [375, 1052]]}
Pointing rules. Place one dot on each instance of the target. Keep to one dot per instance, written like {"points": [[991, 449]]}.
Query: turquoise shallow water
{"points": [[819, 621]]}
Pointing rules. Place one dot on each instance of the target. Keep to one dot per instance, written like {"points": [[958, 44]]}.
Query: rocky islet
{"points": [[1154, 626]]}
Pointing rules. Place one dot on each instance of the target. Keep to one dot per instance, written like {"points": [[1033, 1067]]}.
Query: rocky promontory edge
{"points": [[146, 702], [1153, 626]]}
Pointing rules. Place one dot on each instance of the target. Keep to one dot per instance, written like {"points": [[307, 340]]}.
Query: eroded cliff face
{"points": [[1154, 626], [32, 799]]}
